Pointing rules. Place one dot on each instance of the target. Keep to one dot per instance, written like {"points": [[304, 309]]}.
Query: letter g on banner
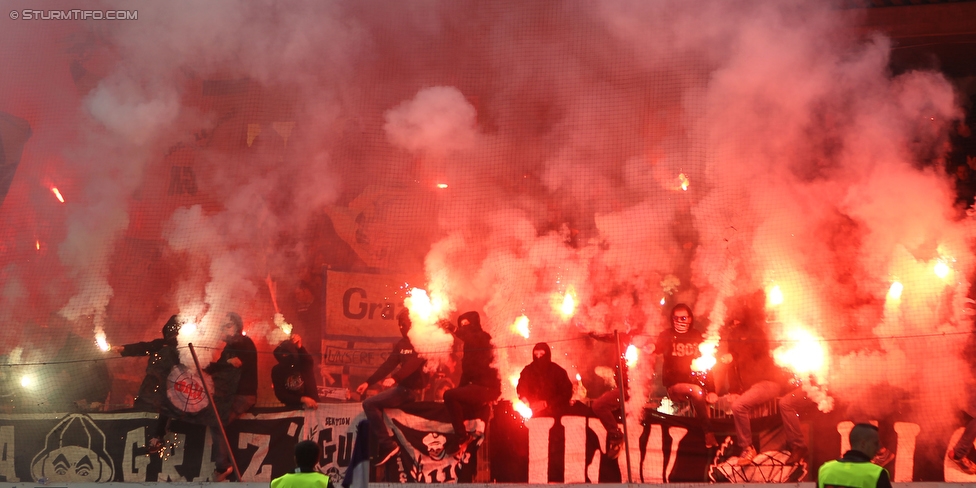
{"points": [[347, 303]]}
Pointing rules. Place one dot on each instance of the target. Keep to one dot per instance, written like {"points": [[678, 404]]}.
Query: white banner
{"points": [[360, 305]]}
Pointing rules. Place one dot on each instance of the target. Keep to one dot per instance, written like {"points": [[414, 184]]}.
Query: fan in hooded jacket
{"points": [[544, 385], [293, 378], [480, 382]]}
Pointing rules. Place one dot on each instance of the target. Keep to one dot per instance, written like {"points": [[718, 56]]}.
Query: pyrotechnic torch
{"points": [[703, 364], [805, 356], [279, 318], [579, 391]]}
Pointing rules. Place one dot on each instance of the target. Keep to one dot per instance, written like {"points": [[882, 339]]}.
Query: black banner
{"points": [[102, 447], [112, 447]]}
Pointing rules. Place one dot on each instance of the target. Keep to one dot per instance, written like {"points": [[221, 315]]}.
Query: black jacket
{"points": [[241, 347], [751, 358], [411, 373], [147, 348], [545, 380], [479, 353]]}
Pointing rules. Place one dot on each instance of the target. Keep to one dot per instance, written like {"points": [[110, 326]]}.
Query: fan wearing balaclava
{"points": [[544, 385], [293, 378], [679, 346], [480, 382]]}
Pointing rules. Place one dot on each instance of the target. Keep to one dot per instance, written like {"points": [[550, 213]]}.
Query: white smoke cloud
{"points": [[437, 120]]}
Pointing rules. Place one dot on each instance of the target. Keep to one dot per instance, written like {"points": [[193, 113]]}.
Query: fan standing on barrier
{"points": [[480, 382], [163, 349], [855, 469], [678, 345], [403, 386], [239, 352]]}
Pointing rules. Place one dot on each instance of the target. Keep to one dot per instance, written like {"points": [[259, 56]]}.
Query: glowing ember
{"points": [[26, 381], [631, 355], [442, 185], [578, 377], [522, 409], [57, 194], [37, 244], [706, 361], [802, 353], [684, 181], [942, 269], [894, 292], [775, 296], [662, 301], [102, 342], [521, 326]]}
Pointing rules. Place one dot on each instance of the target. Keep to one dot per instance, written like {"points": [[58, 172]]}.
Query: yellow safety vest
{"points": [[301, 480], [848, 475]]}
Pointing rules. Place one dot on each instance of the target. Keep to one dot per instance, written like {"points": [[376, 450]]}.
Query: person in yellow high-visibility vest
{"points": [[307, 456], [854, 469]]}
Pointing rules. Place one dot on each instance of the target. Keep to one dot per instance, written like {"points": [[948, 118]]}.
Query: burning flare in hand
{"points": [[102, 342], [706, 361], [423, 306], [522, 409], [521, 326], [566, 304], [804, 355], [631, 355]]}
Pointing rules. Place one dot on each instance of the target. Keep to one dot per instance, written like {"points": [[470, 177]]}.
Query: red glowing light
{"points": [[57, 194]]}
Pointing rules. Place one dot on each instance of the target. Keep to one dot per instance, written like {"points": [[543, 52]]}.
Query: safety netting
{"points": [[570, 170]]}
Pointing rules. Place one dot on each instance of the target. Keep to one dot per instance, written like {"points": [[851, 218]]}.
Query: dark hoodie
{"points": [[163, 355], [171, 329], [294, 375], [411, 373], [748, 344], [479, 353], [545, 380], [242, 347]]}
